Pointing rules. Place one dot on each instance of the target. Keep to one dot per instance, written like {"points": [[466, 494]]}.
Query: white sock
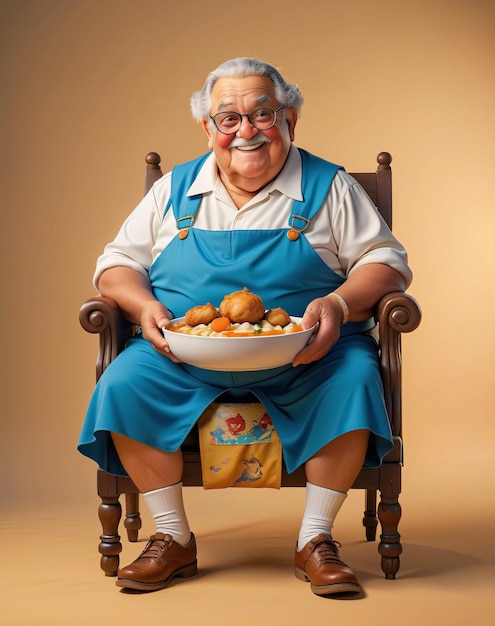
{"points": [[167, 508], [322, 506]]}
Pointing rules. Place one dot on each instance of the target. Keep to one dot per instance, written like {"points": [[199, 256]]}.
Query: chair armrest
{"points": [[396, 313], [101, 315]]}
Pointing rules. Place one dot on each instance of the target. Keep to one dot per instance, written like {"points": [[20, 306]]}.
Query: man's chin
{"points": [[252, 179]]}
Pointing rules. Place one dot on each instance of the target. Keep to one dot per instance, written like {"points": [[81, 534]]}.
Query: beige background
{"points": [[89, 86]]}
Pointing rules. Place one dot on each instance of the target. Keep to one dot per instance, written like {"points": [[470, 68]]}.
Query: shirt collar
{"points": [[288, 181]]}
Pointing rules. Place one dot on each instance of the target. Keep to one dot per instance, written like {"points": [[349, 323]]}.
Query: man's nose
{"points": [[246, 129]]}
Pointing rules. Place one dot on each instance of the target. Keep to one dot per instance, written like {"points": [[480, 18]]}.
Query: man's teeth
{"points": [[250, 147]]}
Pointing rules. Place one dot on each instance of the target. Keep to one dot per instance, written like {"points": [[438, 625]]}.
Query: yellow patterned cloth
{"points": [[239, 447]]}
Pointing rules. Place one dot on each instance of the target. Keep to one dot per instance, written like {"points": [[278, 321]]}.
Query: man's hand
{"points": [[132, 292], [327, 315], [154, 317], [361, 291]]}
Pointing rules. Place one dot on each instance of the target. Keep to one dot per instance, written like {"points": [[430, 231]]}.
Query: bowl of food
{"points": [[209, 338]]}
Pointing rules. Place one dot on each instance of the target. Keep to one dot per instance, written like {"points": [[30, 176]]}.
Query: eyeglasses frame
{"points": [[248, 115]]}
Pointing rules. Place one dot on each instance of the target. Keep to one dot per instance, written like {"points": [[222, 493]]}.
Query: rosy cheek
{"points": [[272, 133], [223, 141]]}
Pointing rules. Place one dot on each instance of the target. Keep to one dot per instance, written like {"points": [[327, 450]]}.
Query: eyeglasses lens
{"points": [[261, 118]]}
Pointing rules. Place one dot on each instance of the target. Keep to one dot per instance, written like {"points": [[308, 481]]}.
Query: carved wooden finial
{"points": [[384, 159], [153, 160]]}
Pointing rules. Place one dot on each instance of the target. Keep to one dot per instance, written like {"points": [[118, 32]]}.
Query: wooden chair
{"points": [[396, 313]]}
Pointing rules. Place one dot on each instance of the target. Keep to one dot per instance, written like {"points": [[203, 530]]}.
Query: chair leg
{"points": [[370, 520], [390, 548], [110, 547], [132, 520]]}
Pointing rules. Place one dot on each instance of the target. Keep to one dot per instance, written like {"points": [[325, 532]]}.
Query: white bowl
{"points": [[237, 354]]}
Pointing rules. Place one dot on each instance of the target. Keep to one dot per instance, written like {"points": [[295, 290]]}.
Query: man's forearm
{"points": [[130, 289], [366, 286]]}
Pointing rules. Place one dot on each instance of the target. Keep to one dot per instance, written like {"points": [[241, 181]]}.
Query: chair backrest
{"points": [[153, 170], [378, 184]]}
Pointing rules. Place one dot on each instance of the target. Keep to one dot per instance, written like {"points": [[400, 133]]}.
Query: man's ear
{"points": [[291, 118], [207, 128]]}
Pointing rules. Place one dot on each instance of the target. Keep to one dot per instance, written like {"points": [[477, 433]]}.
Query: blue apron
{"points": [[147, 397]]}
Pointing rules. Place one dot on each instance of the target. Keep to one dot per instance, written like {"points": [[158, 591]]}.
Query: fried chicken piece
{"points": [[242, 306], [277, 317], [201, 314]]}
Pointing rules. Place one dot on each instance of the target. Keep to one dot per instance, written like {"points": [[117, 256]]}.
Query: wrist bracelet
{"points": [[343, 306]]}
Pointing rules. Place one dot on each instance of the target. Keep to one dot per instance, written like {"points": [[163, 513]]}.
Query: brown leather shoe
{"points": [[319, 563], [161, 560]]}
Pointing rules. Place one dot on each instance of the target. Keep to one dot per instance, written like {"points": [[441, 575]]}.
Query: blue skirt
{"points": [[149, 398]]}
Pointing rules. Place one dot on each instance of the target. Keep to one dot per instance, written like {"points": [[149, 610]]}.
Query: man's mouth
{"points": [[250, 147]]}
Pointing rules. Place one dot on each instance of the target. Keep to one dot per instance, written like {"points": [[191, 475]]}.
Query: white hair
{"points": [[287, 95]]}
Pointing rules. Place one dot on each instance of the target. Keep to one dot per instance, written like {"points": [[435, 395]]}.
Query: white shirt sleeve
{"points": [[358, 235], [134, 244]]}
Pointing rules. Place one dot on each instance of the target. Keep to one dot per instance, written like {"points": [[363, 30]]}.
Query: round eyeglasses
{"points": [[229, 122]]}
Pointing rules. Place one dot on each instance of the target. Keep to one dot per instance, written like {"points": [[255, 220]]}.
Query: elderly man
{"points": [[309, 240]]}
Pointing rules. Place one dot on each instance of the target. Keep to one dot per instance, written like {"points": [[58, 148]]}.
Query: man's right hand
{"points": [[155, 317]]}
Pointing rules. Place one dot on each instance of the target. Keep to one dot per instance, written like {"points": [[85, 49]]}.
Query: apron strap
{"points": [[317, 177], [183, 176]]}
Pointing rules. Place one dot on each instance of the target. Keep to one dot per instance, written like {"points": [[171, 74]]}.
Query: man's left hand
{"points": [[326, 314]]}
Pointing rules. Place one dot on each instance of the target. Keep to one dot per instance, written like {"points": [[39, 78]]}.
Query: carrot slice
{"points": [[219, 324]]}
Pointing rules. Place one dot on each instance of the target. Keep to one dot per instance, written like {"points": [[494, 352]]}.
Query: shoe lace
{"points": [[154, 547], [328, 551]]}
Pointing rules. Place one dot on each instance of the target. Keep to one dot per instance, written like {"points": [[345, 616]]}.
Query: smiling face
{"points": [[250, 158]]}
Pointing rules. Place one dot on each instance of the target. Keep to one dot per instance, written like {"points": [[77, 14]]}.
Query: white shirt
{"points": [[347, 232]]}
